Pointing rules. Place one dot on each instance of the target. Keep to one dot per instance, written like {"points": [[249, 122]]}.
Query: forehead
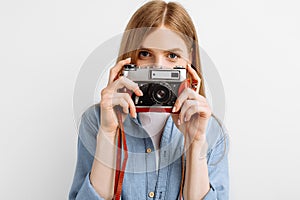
{"points": [[164, 39]]}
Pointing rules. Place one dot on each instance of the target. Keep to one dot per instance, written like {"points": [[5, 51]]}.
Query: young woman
{"points": [[175, 155]]}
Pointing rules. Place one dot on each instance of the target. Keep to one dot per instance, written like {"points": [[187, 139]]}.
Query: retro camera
{"points": [[159, 85]]}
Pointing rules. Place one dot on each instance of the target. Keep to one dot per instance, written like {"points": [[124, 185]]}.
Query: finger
{"points": [[186, 105], [186, 94], [196, 81], [129, 101], [193, 73], [198, 108], [127, 84], [114, 71], [125, 101]]}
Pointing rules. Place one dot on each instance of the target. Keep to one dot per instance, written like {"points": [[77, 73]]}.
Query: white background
{"points": [[43, 44]]}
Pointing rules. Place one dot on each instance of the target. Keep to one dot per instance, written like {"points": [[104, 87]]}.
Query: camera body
{"points": [[160, 86]]}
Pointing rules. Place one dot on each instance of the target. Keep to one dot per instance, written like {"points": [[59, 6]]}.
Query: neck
{"points": [[154, 123]]}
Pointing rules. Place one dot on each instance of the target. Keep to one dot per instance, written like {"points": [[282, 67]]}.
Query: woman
{"points": [[158, 34]]}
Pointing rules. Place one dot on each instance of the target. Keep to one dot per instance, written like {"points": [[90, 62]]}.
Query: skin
{"points": [[163, 48]]}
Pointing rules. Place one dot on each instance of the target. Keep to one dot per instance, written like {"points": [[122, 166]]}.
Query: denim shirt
{"points": [[141, 174]]}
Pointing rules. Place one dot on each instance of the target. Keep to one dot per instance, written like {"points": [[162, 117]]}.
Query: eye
{"points": [[173, 56], [144, 53]]}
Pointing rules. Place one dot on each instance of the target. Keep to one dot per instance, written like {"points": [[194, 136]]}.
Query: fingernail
{"points": [[134, 116], [185, 119], [141, 93], [174, 109], [178, 122], [128, 58]]}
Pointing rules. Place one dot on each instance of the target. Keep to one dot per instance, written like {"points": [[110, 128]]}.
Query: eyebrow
{"points": [[168, 50]]}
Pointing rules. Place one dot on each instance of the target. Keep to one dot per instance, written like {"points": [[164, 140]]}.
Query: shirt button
{"points": [[151, 194], [149, 150]]}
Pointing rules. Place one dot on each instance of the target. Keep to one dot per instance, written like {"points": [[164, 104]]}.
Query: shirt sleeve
{"points": [[218, 166], [81, 188]]}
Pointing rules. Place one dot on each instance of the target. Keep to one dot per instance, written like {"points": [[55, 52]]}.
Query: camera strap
{"points": [[120, 170], [182, 176]]}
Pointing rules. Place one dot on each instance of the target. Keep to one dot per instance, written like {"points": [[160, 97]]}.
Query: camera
{"points": [[159, 85]]}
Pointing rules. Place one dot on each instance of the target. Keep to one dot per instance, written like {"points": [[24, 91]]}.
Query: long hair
{"points": [[153, 15]]}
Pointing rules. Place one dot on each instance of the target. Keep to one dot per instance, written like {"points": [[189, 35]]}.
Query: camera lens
{"points": [[161, 93]]}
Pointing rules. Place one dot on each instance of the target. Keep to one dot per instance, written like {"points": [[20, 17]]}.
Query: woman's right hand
{"points": [[110, 97]]}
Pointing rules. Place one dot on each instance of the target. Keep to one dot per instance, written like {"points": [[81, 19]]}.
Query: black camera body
{"points": [[160, 86]]}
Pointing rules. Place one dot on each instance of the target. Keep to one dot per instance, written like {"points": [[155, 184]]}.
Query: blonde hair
{"points": [[153, 15]]}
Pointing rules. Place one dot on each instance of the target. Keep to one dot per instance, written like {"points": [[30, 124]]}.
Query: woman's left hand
{"points": [[194, 112]]}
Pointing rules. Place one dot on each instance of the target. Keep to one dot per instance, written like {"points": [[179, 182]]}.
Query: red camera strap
{"points": [[182, 177], [119, 176]]}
